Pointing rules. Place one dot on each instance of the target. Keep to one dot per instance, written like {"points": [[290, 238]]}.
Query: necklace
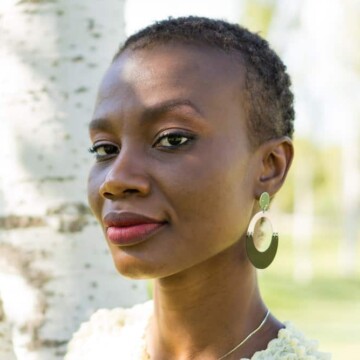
{"points": [[146, 355], [247, 338]]}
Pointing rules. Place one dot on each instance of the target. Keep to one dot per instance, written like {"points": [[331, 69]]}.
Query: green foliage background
{"points": [[327, 307]]}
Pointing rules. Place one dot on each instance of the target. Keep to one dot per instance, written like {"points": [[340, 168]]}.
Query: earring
{"points": [[261, 259]]}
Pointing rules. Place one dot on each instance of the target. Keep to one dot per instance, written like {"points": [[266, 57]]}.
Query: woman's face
{"points": [[171, 144]]}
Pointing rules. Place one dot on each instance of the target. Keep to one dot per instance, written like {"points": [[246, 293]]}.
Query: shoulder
{"points": [[113, 330], [291, 344]]}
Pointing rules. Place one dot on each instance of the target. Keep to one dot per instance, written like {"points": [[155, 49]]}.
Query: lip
{"points": [[127, 228]]}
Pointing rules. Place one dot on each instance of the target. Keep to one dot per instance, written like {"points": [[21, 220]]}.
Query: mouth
{"points": [[125, 228]]}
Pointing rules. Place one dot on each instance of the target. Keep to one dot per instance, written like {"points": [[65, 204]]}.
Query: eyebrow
{"points": [[150, 112], [100, 124], [167, 106]]}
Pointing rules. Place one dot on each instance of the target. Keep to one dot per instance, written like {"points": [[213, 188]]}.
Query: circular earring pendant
{"points": [[261, 259]]}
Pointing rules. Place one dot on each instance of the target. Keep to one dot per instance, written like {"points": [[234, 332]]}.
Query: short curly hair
{"points": [[270, 112]]}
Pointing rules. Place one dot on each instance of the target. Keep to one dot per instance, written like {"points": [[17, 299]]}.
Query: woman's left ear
{"points": [[276, 156]]}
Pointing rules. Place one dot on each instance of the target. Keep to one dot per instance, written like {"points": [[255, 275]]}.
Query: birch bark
{"points": [[55, 269]]}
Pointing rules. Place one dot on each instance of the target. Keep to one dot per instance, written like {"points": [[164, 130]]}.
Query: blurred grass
{"points": [[328, 307]]}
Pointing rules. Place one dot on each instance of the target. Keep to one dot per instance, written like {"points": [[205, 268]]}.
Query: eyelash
{"points": [[189, 138], [113, 149], [95, 148]]}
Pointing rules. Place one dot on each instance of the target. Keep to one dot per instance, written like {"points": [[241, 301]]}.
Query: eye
{"points": [[104, 151], [173, 140]]}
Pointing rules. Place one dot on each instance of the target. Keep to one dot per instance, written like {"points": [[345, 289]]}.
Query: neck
{"points": [[206, 310]]}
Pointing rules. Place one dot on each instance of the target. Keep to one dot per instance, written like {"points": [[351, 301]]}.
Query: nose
{"points": [[126, 176]]}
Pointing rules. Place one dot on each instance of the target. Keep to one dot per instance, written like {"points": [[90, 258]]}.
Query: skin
{"points": [[205, 290]]}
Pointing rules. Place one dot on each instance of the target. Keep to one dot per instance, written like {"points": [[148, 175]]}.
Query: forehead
{"points": [[139, 80], [164, 70]]}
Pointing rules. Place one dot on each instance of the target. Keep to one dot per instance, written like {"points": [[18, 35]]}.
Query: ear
{"points": [[276, 157]]}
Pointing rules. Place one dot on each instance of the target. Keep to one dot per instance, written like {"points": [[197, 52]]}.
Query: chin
{"points": [[137, 269]]}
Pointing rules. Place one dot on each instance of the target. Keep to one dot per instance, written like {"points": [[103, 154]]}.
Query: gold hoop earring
{"points": [[261, 259]]}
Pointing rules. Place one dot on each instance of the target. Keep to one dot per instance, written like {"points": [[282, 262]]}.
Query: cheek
{"points": [[211, 199], [95, 200]]}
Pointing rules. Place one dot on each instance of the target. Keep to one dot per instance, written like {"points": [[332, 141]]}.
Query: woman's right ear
{"points": [[276, 158]]}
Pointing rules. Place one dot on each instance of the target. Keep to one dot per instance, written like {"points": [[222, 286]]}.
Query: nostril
{"points": [[110, 195], [131, 191], [124, 184], [107, 195]]}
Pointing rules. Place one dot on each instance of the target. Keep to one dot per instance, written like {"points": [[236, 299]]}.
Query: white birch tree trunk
{"points": [[55, 269]]}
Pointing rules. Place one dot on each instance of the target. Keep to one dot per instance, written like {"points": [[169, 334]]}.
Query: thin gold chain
{"points": [[146, 355], [247, 338]]}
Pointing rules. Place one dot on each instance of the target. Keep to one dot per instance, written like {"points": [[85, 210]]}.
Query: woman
{"points": [[192, 126]]}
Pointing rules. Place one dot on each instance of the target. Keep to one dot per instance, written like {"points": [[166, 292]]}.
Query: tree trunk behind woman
{"points": [[54, 265]]}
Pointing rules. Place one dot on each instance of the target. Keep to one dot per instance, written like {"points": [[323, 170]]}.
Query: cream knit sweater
{"points": [[118, 334]]}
